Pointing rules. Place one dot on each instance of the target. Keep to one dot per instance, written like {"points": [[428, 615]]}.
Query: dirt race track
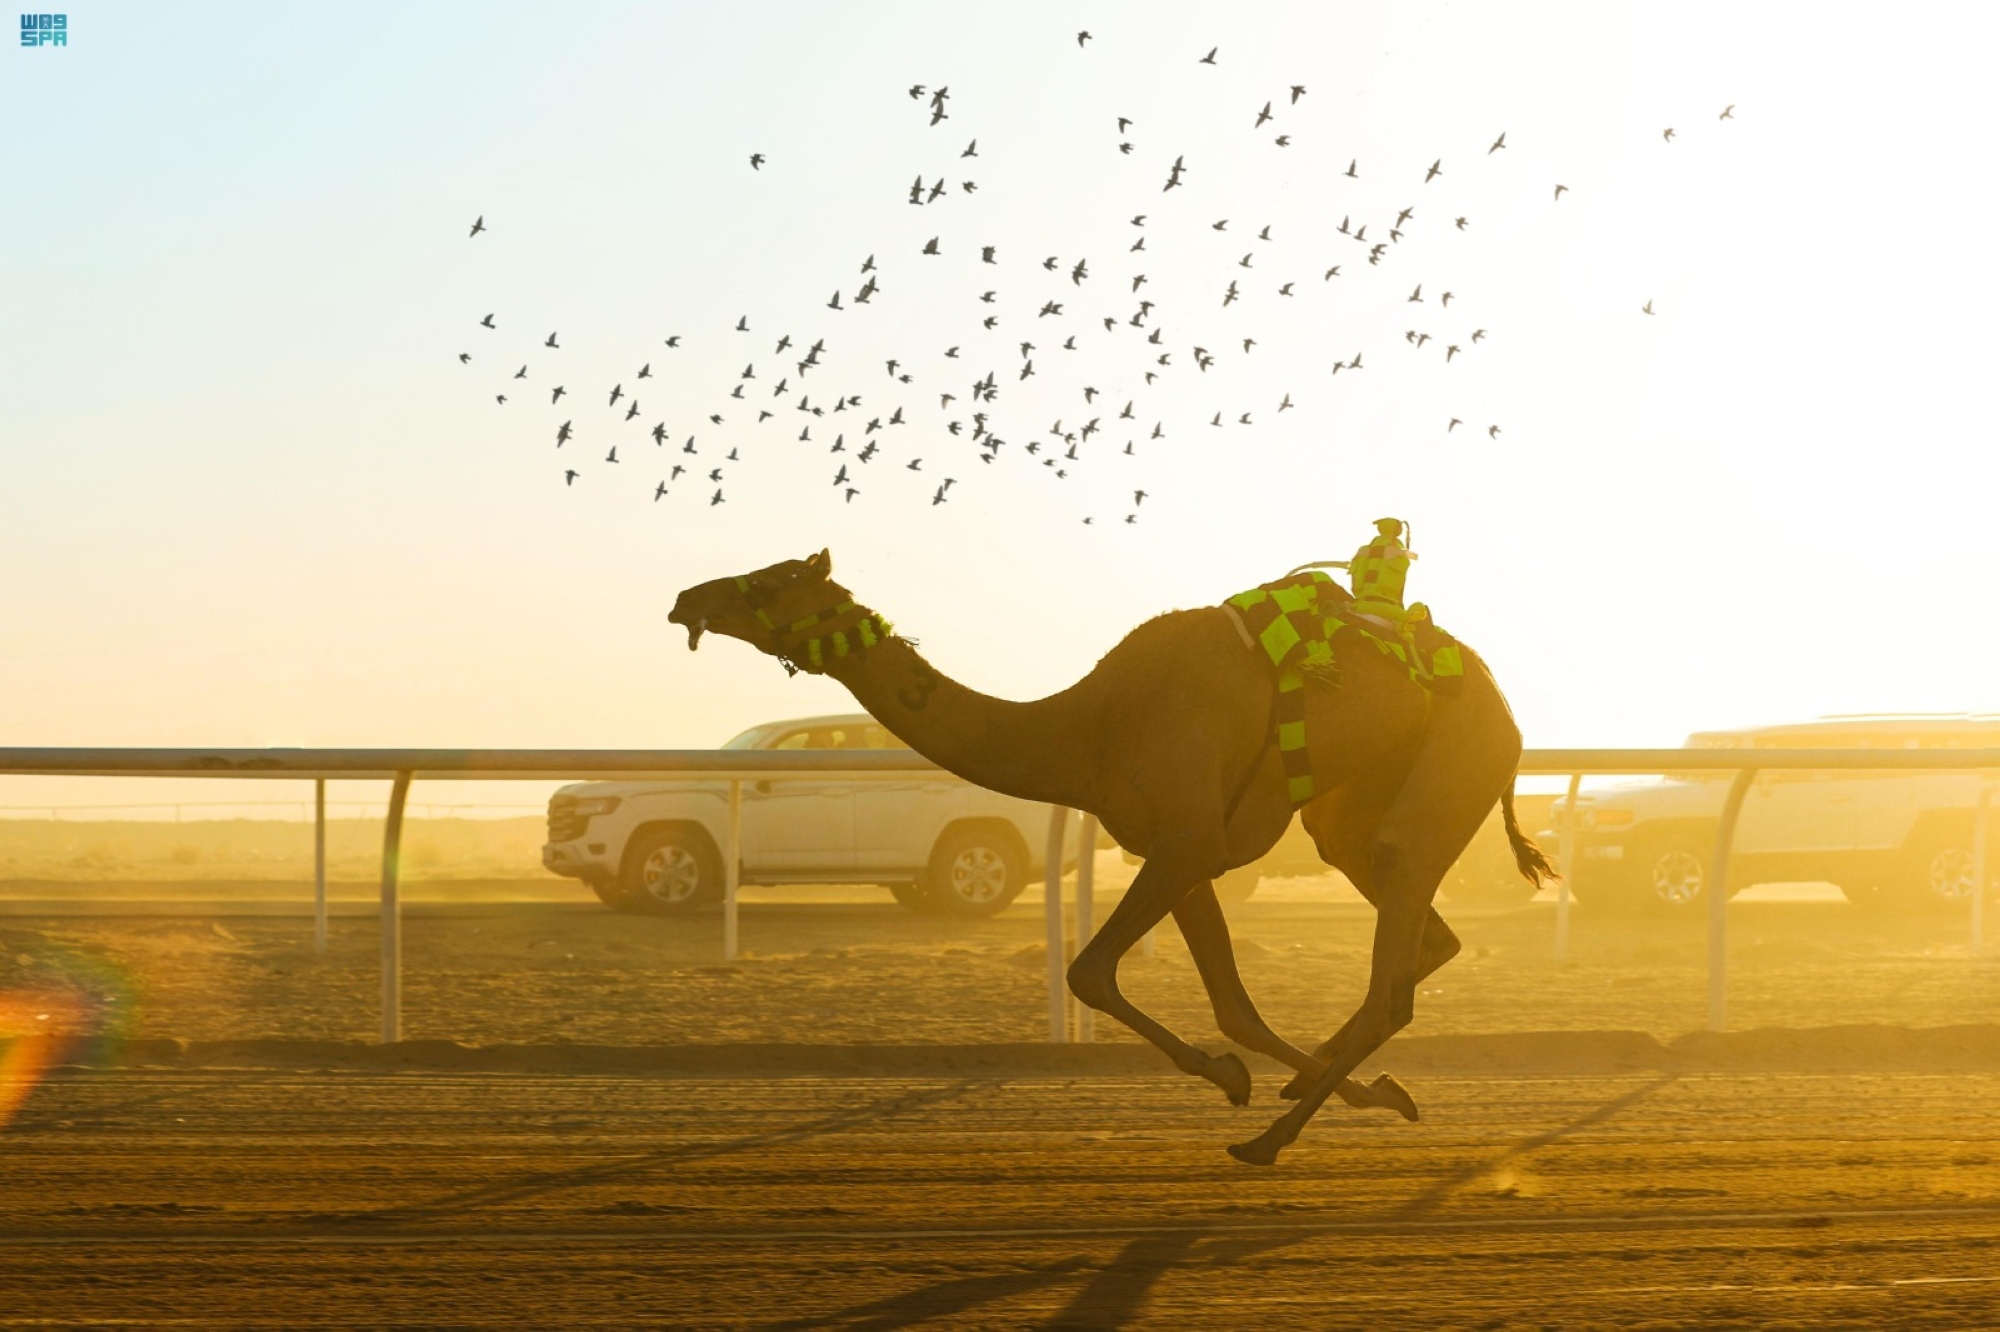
{"points": [[303, 1198]]}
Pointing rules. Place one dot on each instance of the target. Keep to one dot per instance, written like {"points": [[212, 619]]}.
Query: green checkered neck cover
{"points": [[1294, 624]]}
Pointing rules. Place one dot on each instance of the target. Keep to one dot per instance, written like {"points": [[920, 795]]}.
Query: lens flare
{"points": [[75, 1008]]}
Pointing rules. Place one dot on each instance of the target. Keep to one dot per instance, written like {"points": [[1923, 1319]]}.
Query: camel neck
{"points": [[1031, 750]]}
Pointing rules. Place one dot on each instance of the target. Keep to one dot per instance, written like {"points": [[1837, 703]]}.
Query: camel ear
{"points": [[820, 565]]}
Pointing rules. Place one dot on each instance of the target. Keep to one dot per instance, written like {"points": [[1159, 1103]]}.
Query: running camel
{"points": [[1167, 741]]}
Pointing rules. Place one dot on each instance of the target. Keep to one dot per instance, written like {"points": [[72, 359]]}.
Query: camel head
{"points": [[756, 607]]}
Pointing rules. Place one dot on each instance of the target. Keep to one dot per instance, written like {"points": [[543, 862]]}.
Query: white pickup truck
{"points": [[936, 842]]}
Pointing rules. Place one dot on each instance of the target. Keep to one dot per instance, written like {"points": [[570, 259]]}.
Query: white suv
{"points": [[936, 842], [1894, 838]]}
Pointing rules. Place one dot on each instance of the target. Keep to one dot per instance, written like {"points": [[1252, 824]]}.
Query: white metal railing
{"points": [[401, 766]]}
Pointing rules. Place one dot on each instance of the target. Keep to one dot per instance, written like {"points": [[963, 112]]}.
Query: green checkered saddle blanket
{"points": [[1293, 621]]}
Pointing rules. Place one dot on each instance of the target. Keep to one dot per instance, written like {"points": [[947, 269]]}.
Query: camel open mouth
{"points": [[695, 632]]}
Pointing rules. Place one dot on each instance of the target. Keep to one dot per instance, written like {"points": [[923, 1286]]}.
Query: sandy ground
{"points": [[299, 1199], [670, 1141]]}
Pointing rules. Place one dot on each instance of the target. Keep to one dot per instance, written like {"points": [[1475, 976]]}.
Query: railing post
{"points": [[1718, 900], [1981, 815], [1052, 922], [1571, 821], [392, 913], [1086, 909], [732, 854], [319, 864]]}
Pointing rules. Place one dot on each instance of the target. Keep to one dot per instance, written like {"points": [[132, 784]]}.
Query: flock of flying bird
{"points": [[966, 403]]}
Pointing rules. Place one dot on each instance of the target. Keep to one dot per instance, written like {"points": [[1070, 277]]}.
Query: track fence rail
{"points": [[400, 767]]}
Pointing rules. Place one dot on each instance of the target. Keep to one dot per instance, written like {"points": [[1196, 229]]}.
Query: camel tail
{"points": [[1528, 857]]}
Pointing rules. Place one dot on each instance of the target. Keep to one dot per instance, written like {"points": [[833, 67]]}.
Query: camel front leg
{"points": [[1207, 933], [1391, 1003], [1163, 880]]}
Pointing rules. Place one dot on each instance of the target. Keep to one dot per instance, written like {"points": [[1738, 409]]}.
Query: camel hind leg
{"points": [[1437, 947], [1458, 775], [1206, 931]]}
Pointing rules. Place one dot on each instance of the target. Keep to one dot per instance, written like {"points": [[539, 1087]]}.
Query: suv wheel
{"points": [[669, 870], [1669, 876], [974, 872]]}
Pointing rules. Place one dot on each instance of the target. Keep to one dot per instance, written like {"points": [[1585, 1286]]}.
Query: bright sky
{"points": [[249, 495]]}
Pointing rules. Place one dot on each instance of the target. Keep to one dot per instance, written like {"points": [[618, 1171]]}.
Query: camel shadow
{"points": [[1114, 1294], [1429, 1199], [534, 1185]]}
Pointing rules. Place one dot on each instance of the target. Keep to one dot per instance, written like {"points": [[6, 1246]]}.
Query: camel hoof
{"points": [[1261, 1150], [1294, 1089], [1389, 1094], [1229, 1073]]}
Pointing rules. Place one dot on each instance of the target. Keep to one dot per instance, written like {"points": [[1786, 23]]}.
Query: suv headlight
{"points": [[595, 805], [1606, 818]]}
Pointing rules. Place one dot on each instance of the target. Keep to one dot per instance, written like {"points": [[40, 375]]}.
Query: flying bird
{"points": [[478, 225], [1174, 175], [570, 476], [522, 373], [1079, 273], [645, 371], [674, 341], [1667, 134], [1081, 38], [1460, 224], [1498, 144], [743, 324], [617, 391], [971, 149], [612, 456], [465, 358], [715, 499], [1209, 59], [1560, 189], [1352, 163], [632, 410], [659, 491], [1298, 91], [1452, 425], [551, 342], [1647, 308], [557, 394], [1283, 141], [756, 161], [486, 322], [1437, 169], [1263, 116], [1493, 432], [500, 398], [931, 246], [1728, 112]]}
